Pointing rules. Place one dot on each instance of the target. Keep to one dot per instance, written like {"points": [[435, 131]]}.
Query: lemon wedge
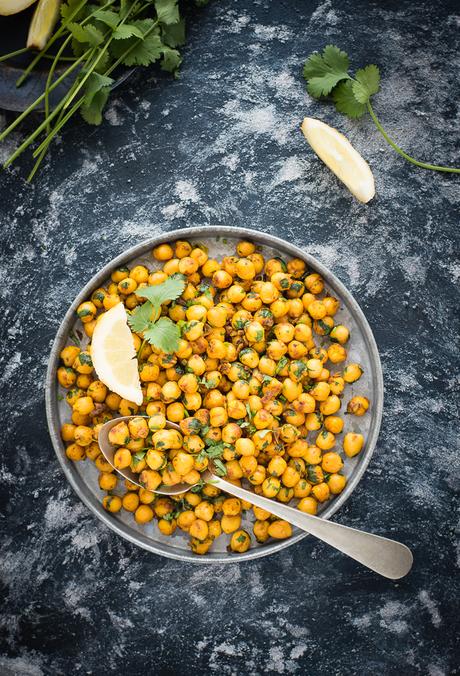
{"points": [[43, 21], [114, 356], [339, 155], [8, 7]]}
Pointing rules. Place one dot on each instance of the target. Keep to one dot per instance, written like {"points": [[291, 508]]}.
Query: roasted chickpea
{"points": [[352, 373], [308, 505], [336, 483], [352, 444], [358, 405], [336, 353], [280, 530], [112, 503], [240, 541]]}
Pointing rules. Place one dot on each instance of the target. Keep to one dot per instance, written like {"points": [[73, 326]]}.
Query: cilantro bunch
{"points": [[327, 74], [161, 332], [93, 39]]}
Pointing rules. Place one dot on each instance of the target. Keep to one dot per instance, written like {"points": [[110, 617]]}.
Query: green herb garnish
{"points": [[327, 74]]}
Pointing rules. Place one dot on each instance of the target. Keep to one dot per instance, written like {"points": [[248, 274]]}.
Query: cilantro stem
{"points": [[59, 126], [50, 42], [35, 103], [139, 352], [5, 57], [423, 165]]}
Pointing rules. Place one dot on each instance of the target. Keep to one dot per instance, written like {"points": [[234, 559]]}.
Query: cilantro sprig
{"points": [[92, 40], [161, 332], [327, 74]]}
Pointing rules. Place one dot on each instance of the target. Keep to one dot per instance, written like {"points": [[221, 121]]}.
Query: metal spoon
{"points": [[386, 557]]}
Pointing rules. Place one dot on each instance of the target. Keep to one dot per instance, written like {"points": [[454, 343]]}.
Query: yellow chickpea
{"points": [[325, 440], [83, 435], [314, 367], [230, 523], [75, 452], [185, 520], [332, 305], [182, 249], [69, 354], [321, 492], [240, 541], [336, 383], [68, 432], [107, 481], [320, 392], [199, 529], [150, 479], [308, 505], [334, 424], [66, 376], [340, 333], [146, 497], [336, 483], [352, 373], [260, 530], [130, 501], [163, 252], [244, 248], [302, 489], [317, 309], [290, 477], [222, 279], [358, 405], [336, 353], [352, 444], [332, 463], [271, 486], [245, 447], [330, 405], [86, 312], [122, 458], [143, 514], [280, 530], [276, 466], [112, 503]]}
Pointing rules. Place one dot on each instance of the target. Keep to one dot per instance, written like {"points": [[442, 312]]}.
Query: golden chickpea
{"points": [[302, 489], [271, 486], [314, 367], [336, 383], [185, 519], [280, 530], [276, 466], [352, 444], [240, 541], [244, 248], [150, 479], [321, 492], [336, 483], [98, 297], [260, 530], [340, 333], [352, 373], [305, 403], [199, 529], [325, 440], [358, 405], [69, 354], [204, 510], [146, 497], [245, 269], [119, 434], [321, 391], [314, 421], [308, 505], [112, 503], [66, 376], [163, 252], [86, 312], [332, 305], [75, 452], [218, 416], [221, 279], [182, 249], [83, 435], [130, 501], [317, 309], [122, 458], [290, 477], [230, 523], [332, 463], [127, 286], [258, 476], [143, 514], [330, 405], [336, 353], [107, 481], [183, 462], [334, 424], [68, 432]]}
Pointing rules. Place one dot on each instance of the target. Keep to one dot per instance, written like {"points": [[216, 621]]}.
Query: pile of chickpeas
{"points": [[258, 378]]}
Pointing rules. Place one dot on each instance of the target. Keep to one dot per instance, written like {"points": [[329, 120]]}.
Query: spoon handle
{"points": [[386, 557]]}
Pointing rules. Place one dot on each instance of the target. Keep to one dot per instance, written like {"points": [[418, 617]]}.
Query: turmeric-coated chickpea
{"points": [[245, 447], [183, 462], [336, 353], [340, 333], [331, 304], [83, 435], [336, 383], [314, 421], [358, 405], [260, 530], [352, 373], [280, 529], [308, 505], [150, 479], [185, 519], [130, 501], [112, 503], [127, 286], [314, 283], [245, 269], [320, 391], [199, 529], [68, 432], [240, 541], [271, 486], [102, 464], [314, 367], [122, 458], [107, 481], [215, 529], [325, 440], [66, 376], [336, 483], [321, 492], [244, 248], [143, 514], [221, 279], [290, 477], [182, 249], [258, 476], [146, 497], [352, 444], [138, 428], [69, 354], [276, 466], [248, 464], [230, 523], [331, 463], [204, 510], [86, 312], [75, 452], [163, 252], [317, 309], [302, 489], [330, 405], [119, 434], [334, 424]]}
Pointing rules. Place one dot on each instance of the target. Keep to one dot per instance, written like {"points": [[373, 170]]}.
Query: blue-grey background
{"points": [[222, 145]]}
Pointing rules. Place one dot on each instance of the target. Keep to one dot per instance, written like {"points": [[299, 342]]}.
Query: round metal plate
{"points": [[220, 240]]}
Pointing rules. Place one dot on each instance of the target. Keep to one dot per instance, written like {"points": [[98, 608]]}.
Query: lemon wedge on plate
{"points": [[8, 7], [114, 356], [339, 155], [43, 21]]}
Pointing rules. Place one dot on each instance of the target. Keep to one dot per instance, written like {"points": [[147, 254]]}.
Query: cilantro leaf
{"points": [[140, 317], [174, 34], [345, 100], [107, 16], [164, 334], [87, 34], [367, 84], [95, 83], [323, 72], [127, 31], [219, 468], [167, 11], [92, 112], [171, 60], [170, 289], [143, 51]]}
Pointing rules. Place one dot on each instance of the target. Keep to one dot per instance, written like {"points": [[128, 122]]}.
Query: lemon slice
{"points": [[8, 7], [339, 155], [114, 356], [43, 21]]}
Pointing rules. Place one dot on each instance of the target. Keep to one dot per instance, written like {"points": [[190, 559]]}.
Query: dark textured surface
{"points": [[222, 145]]}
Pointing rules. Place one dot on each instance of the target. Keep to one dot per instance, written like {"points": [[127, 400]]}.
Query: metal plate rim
{"points": [[82, 490]]}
